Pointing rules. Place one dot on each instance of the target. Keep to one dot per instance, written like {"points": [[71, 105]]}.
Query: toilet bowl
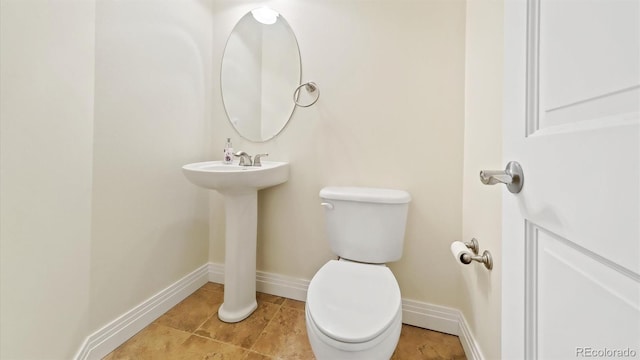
{"points": [[353, 311], [354, 307]]}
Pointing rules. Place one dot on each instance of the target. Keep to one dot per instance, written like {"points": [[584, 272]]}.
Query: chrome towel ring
{"points": [[311, 88]]}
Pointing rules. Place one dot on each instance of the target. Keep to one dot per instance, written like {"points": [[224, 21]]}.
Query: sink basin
{"points": [[239, 185], [224, 178]]}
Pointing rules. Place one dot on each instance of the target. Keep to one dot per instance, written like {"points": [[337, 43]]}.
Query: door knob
{"points": [[512, 176]]}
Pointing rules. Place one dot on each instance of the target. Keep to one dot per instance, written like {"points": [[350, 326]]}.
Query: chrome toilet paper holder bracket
{"points": [[485, 258], [473, 245]]}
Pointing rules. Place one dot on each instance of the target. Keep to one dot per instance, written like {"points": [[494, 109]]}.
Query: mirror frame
{"points": [[290, 113]]}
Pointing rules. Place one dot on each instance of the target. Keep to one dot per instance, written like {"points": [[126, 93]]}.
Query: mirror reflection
{"points": [[260, 71]]}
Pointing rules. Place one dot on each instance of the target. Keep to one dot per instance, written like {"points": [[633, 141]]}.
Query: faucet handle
{"points": [[245, 159], [257, 158]]}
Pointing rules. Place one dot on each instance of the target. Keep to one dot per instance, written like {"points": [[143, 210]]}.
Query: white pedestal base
{"points": [[241, 212]]}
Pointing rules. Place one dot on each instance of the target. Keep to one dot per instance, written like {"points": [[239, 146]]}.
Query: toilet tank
{"points": [[366, 224]]}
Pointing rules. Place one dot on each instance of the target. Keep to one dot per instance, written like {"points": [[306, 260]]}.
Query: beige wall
{"points": [[391, 113], [483, 150], [153, 83], [46, 111], [101, 105]]}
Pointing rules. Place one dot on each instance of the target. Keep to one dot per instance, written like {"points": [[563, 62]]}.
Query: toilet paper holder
{"points": [[467, 258]]}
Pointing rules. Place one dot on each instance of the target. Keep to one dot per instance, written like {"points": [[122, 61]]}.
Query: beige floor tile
{"points": [[213, 287], [153, 342], [420, 344], [269, 298], [286, 336], [211, 349], [251, 355], [192, 311], [244, 333], [294, 304]]}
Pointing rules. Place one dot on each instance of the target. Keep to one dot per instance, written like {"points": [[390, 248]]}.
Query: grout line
{"points": [[245, 351], [215, 312], [207, 319], [220, 341], [266, 326]]}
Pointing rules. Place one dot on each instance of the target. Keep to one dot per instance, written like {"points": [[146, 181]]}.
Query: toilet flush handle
{"points": [[329, 206]]}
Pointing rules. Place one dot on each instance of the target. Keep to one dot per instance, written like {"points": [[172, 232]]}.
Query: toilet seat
{"points": [[353, 302], [386, 340]]}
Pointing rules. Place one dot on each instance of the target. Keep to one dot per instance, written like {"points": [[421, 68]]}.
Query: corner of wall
{"points": [[482, 209]]}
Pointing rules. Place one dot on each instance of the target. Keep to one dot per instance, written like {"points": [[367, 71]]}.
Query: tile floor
{"points": [[276, 330]]}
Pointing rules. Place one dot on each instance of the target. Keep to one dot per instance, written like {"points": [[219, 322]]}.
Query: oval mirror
{"points": [[260, 71]]}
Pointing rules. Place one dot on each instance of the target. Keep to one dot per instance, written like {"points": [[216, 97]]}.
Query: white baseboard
{"points": [[216, 273], [112, 335], [443, 319], [469, 343], [429, 316], [269, 283]]}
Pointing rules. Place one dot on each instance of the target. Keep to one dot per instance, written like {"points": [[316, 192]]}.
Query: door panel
{"points": [[566, 281], [572, 120], [589, 56]]}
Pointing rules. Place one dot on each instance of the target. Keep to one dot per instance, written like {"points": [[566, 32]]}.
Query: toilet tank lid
{"points": [[364, 194]]}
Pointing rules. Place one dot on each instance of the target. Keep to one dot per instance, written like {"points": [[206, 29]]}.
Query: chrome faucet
{"points": [[257, 158], [245, 159]]}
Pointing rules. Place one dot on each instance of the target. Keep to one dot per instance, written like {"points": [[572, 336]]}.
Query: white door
{"points": [[571, 238]]}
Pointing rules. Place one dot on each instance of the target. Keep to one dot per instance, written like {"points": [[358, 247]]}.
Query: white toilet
{"points": [[354, 308]]}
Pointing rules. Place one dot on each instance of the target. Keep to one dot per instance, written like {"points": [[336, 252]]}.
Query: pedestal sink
{"points": [[239, 185]]}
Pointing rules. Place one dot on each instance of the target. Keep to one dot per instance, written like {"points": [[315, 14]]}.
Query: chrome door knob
{"points": [[512, 176]]}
